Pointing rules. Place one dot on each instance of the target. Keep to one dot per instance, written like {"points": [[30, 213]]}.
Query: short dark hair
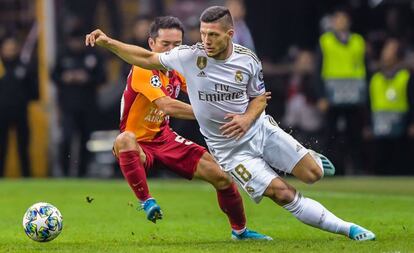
{"points": [[342, 9], [166, 22], [216, 13]]}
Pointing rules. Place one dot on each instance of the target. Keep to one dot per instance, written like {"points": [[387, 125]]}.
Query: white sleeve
{"points": [[256, 85], [175, 58]]}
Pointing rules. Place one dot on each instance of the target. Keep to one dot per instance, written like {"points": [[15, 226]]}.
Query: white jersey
{"points": [[218, 87]]}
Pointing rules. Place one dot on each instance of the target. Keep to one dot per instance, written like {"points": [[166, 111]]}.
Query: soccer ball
{"points": [[42, 222]]}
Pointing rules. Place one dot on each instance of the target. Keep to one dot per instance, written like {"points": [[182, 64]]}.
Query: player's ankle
{"points": [[239, 231]]}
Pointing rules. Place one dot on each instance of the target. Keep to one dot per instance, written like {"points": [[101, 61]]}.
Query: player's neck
{"points": [[226, 53]]}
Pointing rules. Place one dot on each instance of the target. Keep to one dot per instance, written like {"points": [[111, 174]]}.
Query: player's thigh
{"points": [[281, 150], [209, 170], [179, 155], [253, 174]]}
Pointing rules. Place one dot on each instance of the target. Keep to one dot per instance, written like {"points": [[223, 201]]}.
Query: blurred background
{"points": [[340, 73]]}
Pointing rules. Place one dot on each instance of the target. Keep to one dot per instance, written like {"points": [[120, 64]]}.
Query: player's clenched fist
{"points": [[96, 37]]}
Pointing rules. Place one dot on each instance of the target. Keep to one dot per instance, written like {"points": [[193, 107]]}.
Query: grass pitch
{"points": [[193, 221]]}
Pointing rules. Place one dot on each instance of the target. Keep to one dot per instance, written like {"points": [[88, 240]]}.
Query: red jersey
{"points": [[138, 112]]}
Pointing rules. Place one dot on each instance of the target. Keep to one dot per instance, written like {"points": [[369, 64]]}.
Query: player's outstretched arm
{"points": [[134, 55], [175, 108]]}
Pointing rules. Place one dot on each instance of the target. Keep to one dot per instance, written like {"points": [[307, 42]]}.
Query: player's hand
{"points": [[268, 95], [96, 37], [237, 126]]}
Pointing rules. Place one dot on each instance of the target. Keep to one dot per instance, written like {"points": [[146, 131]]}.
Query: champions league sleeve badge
{"points": [[155, 81]]}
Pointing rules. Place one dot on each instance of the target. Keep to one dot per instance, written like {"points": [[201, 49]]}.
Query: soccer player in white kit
{"points": [[227, 92]]}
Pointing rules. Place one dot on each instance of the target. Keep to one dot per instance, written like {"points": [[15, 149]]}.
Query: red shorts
{"points": [[174, 152]]}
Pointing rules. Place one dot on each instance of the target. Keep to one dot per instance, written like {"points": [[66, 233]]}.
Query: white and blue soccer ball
{"points": [[42, 222]]}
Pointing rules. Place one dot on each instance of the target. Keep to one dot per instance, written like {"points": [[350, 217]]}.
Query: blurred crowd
{"points": [[349, 95]]}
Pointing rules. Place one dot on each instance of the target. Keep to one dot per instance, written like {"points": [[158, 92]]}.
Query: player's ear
{"points": [[151, 42], [230, 32]]}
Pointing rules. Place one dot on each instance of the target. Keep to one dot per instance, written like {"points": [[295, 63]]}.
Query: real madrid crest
{"points": [[239, 76], [201, 62]]}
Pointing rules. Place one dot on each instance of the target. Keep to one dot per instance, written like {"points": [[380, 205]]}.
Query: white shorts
{"points": [[251, 163]]}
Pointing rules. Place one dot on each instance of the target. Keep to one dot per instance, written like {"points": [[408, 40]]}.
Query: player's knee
{"points": [[220, 180], [223, 181], [283, 196], [125, 141], [211, 172], [280, 192]]}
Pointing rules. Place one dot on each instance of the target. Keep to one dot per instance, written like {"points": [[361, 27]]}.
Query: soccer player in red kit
{"points": [[148, 101]]}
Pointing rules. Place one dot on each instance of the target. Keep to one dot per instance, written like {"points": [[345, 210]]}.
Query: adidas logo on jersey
{"points": [[202, 74]]}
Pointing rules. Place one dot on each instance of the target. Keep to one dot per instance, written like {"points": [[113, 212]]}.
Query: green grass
{"points": [[194, 223]]}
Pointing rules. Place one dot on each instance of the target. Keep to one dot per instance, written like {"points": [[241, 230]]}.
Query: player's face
{"points": [[216, 39], [167, 39]]}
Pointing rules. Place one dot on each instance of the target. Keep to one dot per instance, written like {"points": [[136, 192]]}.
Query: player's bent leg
{"points": [[208, 170], [126, 141], [308, 170], [280, 192], [324, 162], [283, 152], [312, 212], [131, 161], [228, 196]]}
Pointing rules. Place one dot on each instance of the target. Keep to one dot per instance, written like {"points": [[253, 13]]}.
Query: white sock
{"points": [[314, 214]]}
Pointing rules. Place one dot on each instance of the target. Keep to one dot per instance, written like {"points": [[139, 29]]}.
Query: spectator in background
{"points": [[391, 93], [77, 74], [138, 37], [242, 35], [18, 86], [140, 29], [343, 83], [302, 113], [397, 21], [192, 33], [87, 11]]}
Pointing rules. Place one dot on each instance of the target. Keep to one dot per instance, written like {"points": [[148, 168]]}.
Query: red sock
{"points": [[134, 173], [231, 203]]}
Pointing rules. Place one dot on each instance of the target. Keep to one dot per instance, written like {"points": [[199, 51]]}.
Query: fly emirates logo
{"points": [[221, 93], [155, 116]]}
